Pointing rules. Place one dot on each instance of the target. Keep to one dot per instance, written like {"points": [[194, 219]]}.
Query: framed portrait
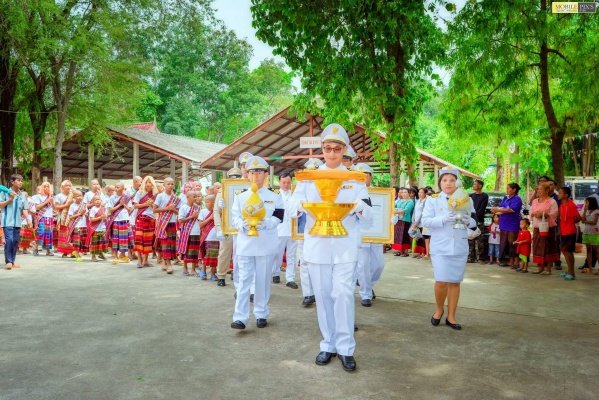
{"points": [[295, 233], [381, 231], [231, 187]]}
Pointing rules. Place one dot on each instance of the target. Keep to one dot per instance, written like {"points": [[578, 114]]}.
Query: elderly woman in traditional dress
{"points": [[449, 247], [545, 249]]}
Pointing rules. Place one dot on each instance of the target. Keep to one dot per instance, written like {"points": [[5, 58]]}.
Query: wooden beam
{"points": [[90, 165]]}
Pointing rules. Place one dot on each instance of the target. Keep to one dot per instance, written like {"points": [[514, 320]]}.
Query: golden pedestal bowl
{"points": [[328, 214]]}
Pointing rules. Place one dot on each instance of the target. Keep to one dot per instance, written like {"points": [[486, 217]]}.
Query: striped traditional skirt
{"points": [[45, 233], [120, 236], [27, 236], [168, 245], [78, 240], [210, 252], [192, 253], [402, 240], [98, 244], [544, 248], [144, 234], [64, 246]]}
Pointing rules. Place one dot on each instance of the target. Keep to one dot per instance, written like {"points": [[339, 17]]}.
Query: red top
{"points": [[567, 213], [524, 248]]}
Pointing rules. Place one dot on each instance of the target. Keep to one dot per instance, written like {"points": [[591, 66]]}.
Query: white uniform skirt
{"points": [[449, 268]]}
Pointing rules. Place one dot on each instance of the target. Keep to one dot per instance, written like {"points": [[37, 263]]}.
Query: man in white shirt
{"points": [[331, 260], [286, 243]]}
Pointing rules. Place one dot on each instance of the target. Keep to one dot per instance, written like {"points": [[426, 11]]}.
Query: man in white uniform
{"points": [[370, 255], [332, 260], [255, 254], [285, 240]]}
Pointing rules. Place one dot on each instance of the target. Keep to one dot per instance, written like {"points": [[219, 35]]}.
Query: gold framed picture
{"points": [[230, 188], [381, 230]]}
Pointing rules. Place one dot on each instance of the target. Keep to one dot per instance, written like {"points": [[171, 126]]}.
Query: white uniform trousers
{"points": [[285, 242], [334, 290], [236, 270], [369, 270], [304, 273], [253, 269]]}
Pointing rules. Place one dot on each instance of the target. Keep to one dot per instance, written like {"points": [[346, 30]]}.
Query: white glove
{"points": [[450, 217], [395, 219], [466, 220], [245, 226], [359, 207], [268, 223]]}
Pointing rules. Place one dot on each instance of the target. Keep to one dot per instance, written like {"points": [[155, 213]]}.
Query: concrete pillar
{"points": [[99, 176], [184, 172], [135, 159], [436, 176], [271, 176], [173, 168], [90, 165], [420, 173], [213, 177]]}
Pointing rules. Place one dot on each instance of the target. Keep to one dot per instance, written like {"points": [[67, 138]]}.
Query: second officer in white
{"points": [[255, 254]]}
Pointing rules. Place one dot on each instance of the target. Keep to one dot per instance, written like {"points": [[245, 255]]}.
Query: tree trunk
{"points": [[557, 130], [61, 100], [499, 174], [588, 155], [9, 71], [393, 164], [38, 115]]}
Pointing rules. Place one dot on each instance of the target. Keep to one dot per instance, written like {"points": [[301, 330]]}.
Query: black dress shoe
{"points": [[276, 279], [355, 328], [324, 357], [348, 362], [261, 322], [366, 303], [373, 295], [251, 298], [237, 325], [308, 301], [435, 321], [457, 327], [221, 282], [292, 285]]}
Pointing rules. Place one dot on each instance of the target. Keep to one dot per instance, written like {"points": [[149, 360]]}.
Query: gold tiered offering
{"points": [[253, 210], [459, 203], [328, 214]]}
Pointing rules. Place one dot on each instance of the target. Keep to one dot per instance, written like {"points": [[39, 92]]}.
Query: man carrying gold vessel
{"points": [[256, 214], [331, 260]]}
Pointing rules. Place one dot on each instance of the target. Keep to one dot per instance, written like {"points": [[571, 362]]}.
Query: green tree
{"points": [[501, 47], [367, 59]]}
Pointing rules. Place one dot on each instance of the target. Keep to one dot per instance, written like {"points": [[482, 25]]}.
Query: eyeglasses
{"points": [[336, 150]]}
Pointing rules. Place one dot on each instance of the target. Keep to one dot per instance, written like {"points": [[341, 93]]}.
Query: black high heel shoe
{"points": [[457, 327], [435, 321]]}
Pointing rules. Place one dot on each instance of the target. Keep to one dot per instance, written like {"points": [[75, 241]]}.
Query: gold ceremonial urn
{"points": [[459, 203], [328, 214], [253, 210]]}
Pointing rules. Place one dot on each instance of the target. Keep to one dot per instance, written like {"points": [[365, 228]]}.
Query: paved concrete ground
{"points": [[92, 331]]}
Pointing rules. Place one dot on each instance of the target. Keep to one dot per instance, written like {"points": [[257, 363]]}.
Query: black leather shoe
{"points": [[355, 328], [292, 285], [373, 295], [276, 279], [221, 282], [457, 327], [348, 362], [435, 321], [261, 322], [308, 301], [251, 298], [324, 357], [237, 325], [366, 303]]}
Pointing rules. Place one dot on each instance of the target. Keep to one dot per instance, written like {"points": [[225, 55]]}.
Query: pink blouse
{"points": [[549, 207]]}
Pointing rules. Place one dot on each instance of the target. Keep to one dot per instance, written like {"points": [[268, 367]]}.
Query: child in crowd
{"points": [[27, 234], [77, 225], [209, 244], [494, 240], [590, 233], [97, 229], [189, 239], [523, 244]]}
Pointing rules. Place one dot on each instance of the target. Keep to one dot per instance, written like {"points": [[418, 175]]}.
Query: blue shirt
{"points": [[510, 222], [11, 214]]}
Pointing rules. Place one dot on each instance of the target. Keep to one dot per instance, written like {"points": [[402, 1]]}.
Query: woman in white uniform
{"points": [[449, 247]]}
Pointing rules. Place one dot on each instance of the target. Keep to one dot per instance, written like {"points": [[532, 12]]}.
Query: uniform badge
{"points": [[268, 201], [347, 187]]}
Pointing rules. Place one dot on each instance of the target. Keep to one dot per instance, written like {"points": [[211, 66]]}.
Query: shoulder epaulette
{"points": [[435, 195]]}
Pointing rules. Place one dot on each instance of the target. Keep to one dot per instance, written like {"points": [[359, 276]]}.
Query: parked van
{"points": [[582, 187]]}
